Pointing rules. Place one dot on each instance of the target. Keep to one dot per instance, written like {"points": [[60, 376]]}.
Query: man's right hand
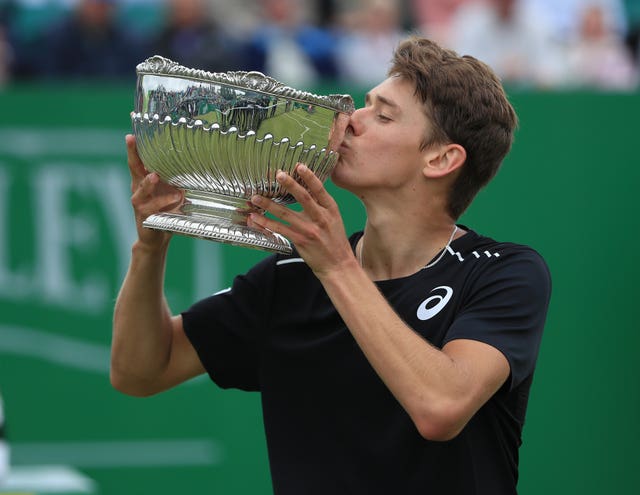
{"points": [[149, 195], [149, 350]]}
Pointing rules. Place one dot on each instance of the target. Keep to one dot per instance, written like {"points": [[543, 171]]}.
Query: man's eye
{"points": [[384, 118]]}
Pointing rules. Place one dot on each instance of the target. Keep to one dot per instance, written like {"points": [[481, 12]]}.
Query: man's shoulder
{"points": [[479, 246], [481, 258]]}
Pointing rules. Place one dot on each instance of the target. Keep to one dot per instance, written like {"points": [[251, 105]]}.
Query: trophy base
{"points": [[219, 230]]}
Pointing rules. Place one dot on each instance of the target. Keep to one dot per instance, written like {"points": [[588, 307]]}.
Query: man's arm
{"points": [[441, 389], [150, 351]]}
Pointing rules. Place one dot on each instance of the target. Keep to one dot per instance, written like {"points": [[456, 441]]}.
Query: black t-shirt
{"points": [[332, 426]]}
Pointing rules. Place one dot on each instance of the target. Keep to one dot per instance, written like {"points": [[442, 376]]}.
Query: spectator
{"points": [[6, 56], [192, 38], [433, 17], [287, 47], [89, 43], [563, 17], [325, 12], [6, 50], [633, 44], [598, 57], [146, 17], [245, 16], [23, 26], [371, 33], [632, 38], [515, 44]]}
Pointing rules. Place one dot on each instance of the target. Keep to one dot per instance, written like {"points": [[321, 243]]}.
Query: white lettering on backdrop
{"points": [[66, 209]]}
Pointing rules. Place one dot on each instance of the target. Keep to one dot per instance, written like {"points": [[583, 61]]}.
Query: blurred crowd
{"points": [[542, 44]]}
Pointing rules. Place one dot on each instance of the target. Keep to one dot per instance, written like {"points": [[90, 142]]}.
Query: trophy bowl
{"points": [[221, 137]]}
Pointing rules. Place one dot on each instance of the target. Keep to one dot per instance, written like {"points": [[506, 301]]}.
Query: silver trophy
{"points": [[221, 137]]}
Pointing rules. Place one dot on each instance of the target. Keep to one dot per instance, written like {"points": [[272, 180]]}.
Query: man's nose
{"points": [[355, 121]]}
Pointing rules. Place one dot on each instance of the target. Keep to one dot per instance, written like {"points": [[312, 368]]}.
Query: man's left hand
{"points": [[317, 231]]}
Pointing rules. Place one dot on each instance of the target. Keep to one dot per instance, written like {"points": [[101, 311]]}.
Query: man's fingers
{"points": [[313, 198], [280, 211], [148, 183], [304, 197], [265, 224], [152, 195], [136, 167], [151, 186], [163, 203], [315, 186], [146, 202]]}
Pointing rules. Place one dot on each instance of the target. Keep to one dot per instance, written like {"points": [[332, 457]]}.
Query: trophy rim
{"points": [[158, 65]]}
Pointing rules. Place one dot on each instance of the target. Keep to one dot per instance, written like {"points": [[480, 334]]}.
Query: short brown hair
{"points": [[467, 105]]}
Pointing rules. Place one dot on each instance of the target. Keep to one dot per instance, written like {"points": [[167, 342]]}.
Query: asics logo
{"points": [[432, 305]]}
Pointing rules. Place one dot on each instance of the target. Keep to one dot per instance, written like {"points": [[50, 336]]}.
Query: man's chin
{"points": [[336, 175], [339, 180]]}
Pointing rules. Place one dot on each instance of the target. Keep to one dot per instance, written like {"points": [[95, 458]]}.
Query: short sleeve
{"points": [[506, 308], [226, 328]]}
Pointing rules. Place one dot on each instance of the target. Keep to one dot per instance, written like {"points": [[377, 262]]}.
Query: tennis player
{"points": [[396, 360]]}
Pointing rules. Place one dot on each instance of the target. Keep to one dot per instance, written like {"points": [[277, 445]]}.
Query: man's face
{"points": [[381, 148]]}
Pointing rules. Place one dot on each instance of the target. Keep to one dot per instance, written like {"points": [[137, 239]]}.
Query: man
{"points": [[398, 360]]}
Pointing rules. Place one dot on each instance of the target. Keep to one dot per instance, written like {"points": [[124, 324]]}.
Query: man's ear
{"points": [[443, 160]]}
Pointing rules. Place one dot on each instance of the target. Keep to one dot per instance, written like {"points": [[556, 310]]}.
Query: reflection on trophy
{"points": [[221, 137]]}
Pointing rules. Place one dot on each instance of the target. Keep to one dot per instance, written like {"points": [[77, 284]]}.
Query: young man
{"points": [[398, 360]]}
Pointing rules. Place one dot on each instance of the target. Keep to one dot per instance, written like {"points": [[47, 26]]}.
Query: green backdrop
{"points": [[568, 189]]}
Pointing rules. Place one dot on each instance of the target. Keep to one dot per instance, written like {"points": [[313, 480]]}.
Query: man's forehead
{"points": [[394, 91], [373, 96]]}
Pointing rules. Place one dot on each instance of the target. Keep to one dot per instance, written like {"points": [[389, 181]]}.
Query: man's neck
{"points": [[399, 243]]}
